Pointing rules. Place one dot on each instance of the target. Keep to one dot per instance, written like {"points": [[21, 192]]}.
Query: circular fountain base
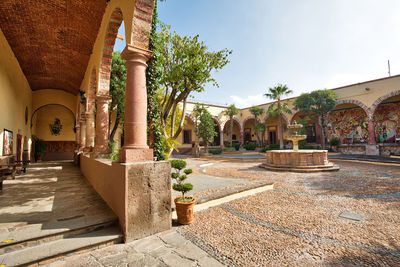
{"points": [[299, 161]]}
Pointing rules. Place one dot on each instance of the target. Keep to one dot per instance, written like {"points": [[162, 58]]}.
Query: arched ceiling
{"points": [[52, 39]]}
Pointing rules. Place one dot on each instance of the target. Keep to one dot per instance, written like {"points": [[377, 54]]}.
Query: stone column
{"points": [[82, 141], [101, 146], [135, 128], [221, 139], [242, 138], [78, 134], [371, 131], [371, 148], [90, 130]]}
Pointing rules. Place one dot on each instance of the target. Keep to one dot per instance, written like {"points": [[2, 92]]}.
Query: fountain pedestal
{"points": [[299, 161], [296, 160]]}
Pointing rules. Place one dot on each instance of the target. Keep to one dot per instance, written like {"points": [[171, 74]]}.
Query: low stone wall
{"points": [[389, 149], [139, 193], [354, 149]]}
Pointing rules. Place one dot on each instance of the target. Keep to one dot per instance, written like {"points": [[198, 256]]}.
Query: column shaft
{"points": [[135, 127], [101, 146], [90, 130]]}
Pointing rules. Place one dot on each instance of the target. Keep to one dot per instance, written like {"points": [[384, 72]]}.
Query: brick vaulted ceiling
{"points": [[52, 39]]}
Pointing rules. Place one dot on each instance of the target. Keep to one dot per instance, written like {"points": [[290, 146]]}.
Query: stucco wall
{"points": [[46, 116], [139, 193], [16, 95]]}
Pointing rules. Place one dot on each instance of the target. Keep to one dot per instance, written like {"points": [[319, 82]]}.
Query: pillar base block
{"points": [[135, 155], [101, 150], [372, 150]]}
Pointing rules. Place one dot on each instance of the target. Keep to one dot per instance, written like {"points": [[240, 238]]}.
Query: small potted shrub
{"points": [[237, 146], [334, 142], [184, 205], [40, 149]]}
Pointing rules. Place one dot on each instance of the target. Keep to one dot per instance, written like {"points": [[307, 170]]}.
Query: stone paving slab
{"points": [[164, 249]]}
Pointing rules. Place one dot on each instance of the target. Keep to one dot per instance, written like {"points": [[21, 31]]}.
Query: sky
{"points": [[305, 44]]}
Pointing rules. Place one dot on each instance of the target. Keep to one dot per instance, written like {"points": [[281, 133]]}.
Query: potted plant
{"points": [[40, 149], [184, 205], [334, 142]]}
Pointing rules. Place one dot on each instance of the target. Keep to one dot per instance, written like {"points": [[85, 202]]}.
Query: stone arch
{"points": [[349, 124], [385, 118], [37, 109], [218, 122], [114, 23], [294, 113], [247, 119], [355, 102], [142, 17], [283, 117], [375, 105], [235, 119], [190, 117], [91, 92]]}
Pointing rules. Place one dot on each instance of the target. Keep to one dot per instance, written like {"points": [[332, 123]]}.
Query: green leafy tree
{"points": [[117, 92], [260, 128], [231, 111], [277, 109], [178, 165], [257, 112], [317, 103], [186, 66], [206, 128], [153, 75]]}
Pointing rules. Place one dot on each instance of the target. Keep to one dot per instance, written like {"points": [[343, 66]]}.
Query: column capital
{"points": [[133, 54], [103, 98], [89, 114]]}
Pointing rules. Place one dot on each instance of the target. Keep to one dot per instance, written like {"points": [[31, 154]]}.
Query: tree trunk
{"points": [[322, 132], [280, 132], [114, 130], [231, 122]]}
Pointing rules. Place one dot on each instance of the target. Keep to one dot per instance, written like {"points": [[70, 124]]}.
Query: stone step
{"points": [[35, 234], [54, 250]]}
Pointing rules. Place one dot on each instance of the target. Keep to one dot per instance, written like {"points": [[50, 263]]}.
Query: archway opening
{"points": [[249, 131], [387, 120], [272, 130], [311, 128], [349, 123], [54, 124], [236, 134]]}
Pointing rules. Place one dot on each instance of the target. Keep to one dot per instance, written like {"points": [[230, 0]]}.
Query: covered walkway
{"points": [[51, 203]]}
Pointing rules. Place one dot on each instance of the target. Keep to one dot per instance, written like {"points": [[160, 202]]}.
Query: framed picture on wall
{"points": [[8, 142]]}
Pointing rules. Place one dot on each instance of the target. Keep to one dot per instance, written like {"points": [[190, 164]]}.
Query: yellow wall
{"points": [[15, 94], [51, 96], [46, 116], [188, 125]]}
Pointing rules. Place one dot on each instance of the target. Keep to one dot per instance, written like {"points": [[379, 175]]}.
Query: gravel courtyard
{"points": [[350, 217]]}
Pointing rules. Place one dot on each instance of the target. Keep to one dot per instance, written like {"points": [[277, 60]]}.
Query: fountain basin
{"points": [[306, 160]]}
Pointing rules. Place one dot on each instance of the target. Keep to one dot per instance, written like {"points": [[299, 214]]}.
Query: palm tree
{"points": [[230, 112], [276, 109]]}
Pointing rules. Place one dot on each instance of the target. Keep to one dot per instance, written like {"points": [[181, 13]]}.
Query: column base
{"points": [[101, 150], [135, 155], [372, 150]]}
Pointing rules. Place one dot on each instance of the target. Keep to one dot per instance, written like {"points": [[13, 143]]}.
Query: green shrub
{"points": [[274, 147], [334, 141], [250, 146], [178, 165], [215, 151], [236, 146], [304, 145]]}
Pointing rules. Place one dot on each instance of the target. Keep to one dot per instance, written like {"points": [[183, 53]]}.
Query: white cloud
{"points": [[250, 100]]}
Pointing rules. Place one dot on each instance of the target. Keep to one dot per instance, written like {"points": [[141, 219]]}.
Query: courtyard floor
{"points": [[345, 218], [349, 217]]}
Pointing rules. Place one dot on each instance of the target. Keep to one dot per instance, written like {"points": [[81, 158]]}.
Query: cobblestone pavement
{"points": [[299, 222], [165, 249]]}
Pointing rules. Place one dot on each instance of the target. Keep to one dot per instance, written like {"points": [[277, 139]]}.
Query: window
{"points": [[187, 136], [233, 136]]}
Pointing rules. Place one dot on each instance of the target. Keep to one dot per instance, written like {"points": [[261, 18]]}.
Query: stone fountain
{"points": [[307, 160]]}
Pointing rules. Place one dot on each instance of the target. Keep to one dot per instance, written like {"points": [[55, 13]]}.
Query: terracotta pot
{"points": [[185, 211]]}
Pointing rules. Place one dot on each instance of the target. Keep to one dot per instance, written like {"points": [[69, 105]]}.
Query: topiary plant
{"points": [[178, 165]]}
